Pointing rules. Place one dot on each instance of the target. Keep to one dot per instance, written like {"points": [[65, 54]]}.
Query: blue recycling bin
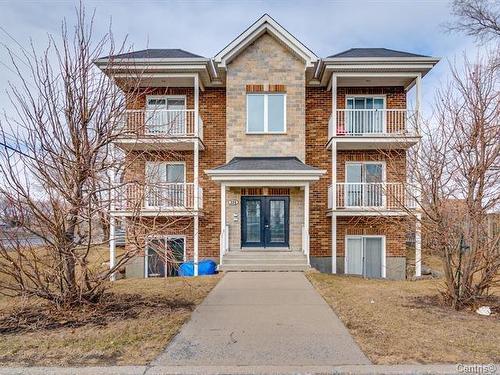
{"points": [[205, 267]]}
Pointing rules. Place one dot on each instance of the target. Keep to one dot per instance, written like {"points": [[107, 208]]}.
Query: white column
{"points": [[418, 245], [222, 221], [418, 99], [195, 174], [334, 104], [306, 222], [334, 243], [334, 206], [112, 246]]}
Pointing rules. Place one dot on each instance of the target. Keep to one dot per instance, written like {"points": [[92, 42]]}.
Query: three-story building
{"points": [[269, 157]]}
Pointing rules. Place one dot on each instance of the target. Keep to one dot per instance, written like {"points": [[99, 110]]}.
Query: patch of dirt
{"points": [[112, 307]]}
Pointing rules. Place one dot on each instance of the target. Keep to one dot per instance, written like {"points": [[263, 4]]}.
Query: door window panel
{"points": [[253, 221], [365, 119], [364, 184], [277, 220], [354, 263]]}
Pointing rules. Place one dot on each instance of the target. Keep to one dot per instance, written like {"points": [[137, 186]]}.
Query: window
{"points": [[164, 255], [364, 114], [167, 186], [166, 115], [364, 186], [266, 113]]}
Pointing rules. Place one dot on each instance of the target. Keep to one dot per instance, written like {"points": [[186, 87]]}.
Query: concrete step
{"points": [[264, 255], [283, 261], [263, 267]]}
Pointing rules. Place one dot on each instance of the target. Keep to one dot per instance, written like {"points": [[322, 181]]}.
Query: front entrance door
{"points": [[264, 221]]}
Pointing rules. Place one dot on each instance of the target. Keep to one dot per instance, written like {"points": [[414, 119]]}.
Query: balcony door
{"points": [[264, 221], [365, 255], [166, 115], [364, 186], [364, 115], [164, 255], [166, 184]]}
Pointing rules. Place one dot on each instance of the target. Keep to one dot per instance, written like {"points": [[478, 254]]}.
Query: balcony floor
{"points": [[366, 212], [151, 143], [384, 142], [150, 212]]}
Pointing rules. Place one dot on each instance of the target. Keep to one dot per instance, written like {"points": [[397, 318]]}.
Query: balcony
{"points": [[167, 199], [373, 128], [146, 129], [371, 197]]}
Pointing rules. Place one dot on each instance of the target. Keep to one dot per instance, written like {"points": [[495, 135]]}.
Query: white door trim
{"points": [[383, 263]]}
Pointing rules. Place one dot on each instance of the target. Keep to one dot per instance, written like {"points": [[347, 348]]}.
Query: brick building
{"points": [[267, 157]]}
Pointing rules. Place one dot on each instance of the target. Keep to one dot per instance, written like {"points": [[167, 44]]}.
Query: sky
{"points": [[205, 27]]}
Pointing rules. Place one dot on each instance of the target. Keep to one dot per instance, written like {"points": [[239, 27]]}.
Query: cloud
{"points": [[205, 27]]}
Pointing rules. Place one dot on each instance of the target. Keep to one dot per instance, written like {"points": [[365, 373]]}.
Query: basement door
{"points": [[365, 256], [264, 221]]}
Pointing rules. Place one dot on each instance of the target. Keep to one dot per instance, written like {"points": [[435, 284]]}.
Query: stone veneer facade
{"points": [[265, 62]]}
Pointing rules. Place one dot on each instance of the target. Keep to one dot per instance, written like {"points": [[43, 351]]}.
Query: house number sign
{"points": [[233, 202]]}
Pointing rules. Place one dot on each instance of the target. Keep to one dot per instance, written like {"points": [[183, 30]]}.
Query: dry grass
{"points": [[134, 338], [397, 322]]}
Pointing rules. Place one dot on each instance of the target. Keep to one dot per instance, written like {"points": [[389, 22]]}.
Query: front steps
{"points": [[264, 260]]}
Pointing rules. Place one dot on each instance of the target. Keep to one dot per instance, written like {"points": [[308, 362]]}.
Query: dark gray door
{"points": [[264, 221]]}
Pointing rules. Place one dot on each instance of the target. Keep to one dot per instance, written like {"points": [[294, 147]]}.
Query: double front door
{"points": [[264, 221]]}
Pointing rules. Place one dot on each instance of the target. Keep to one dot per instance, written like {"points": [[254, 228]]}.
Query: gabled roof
{"points": [[264, 24], [163, 53], [265, 164], [374, 52]]}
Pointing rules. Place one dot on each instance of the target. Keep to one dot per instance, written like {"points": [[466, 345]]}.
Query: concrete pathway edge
{"points": [[440, 369]]}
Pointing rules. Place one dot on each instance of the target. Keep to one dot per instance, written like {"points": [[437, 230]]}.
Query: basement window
{"points": [[266, 113]]}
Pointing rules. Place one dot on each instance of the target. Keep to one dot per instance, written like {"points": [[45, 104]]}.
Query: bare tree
{"points": [[477, 18], [457, 173], [57, 150]]}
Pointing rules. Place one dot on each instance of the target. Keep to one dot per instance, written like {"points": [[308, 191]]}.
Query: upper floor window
{"points": [[266, 113]]}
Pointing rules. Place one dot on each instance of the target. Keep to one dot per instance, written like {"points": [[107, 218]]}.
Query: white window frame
{"points": [[384, 178], [166, 238], [166, 97], [165, 163], [266, 119], [383, 263], [372, 96]]}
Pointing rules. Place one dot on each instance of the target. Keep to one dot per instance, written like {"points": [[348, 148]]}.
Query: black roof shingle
{"points": [[265, 164], [169, 53], [374, 52]]}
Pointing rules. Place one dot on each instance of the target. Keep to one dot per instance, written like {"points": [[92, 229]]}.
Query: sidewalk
{"points": [[240, 370]]}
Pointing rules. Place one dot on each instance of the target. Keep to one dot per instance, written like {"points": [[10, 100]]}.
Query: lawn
{"points": [[133, 331], [397, 322]]}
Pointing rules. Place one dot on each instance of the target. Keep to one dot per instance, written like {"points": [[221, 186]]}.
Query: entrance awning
{"points": [[268, 170]]}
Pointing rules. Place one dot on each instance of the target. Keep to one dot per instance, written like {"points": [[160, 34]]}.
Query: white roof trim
{"points": [[264, 24], [265, 175]]}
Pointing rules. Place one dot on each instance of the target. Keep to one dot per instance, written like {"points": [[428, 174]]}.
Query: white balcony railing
{"points": [[162, 123], [159, 196], [373, 122], [371, 195]]}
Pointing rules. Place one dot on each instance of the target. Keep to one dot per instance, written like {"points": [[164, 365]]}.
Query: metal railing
{"points": [[162, 123], [305, 243], [373, 122], [158, 196], [373, 195], [224, 242]]}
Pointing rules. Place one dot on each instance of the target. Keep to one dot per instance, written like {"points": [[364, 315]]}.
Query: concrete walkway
{"points": [[263, 319]]}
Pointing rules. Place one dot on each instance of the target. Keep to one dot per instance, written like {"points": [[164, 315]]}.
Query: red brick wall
{"points": [[212, 108], [393, 228], [318, 111]]}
